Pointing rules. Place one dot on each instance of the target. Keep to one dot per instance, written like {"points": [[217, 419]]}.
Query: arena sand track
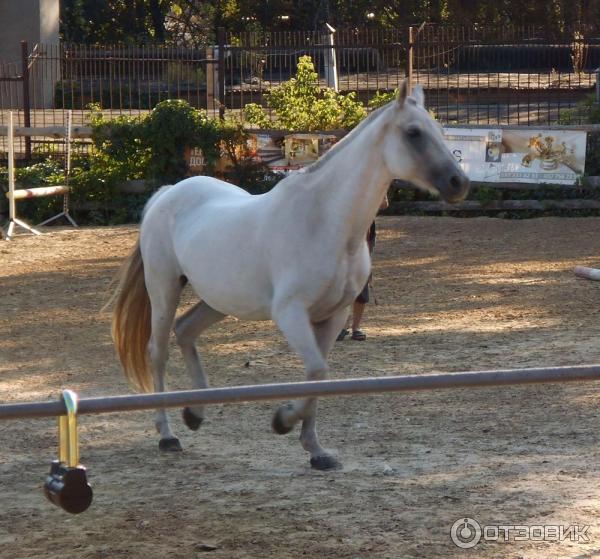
{"points": [[453, 295]]}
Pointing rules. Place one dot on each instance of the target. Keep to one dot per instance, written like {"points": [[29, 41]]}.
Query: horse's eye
{"points": [[413, 132]]}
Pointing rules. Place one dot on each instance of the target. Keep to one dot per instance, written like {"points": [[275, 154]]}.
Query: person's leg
{"points": [[358, 309]]}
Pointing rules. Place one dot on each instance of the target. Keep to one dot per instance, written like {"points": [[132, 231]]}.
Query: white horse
{"points": [[296, 255]]}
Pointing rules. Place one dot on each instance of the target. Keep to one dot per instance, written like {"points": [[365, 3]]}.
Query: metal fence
{"points": [[119, 79], [508, 75], [471, 74], [366, 61]]}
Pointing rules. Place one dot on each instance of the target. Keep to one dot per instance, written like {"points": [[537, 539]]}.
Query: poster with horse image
{"points": [[543, 156], [290, 152], [529, 155], [281, 152], [269, 149]]}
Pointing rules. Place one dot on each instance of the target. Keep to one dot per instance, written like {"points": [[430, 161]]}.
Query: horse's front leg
{"points": [[326, 333], [293, 320]]}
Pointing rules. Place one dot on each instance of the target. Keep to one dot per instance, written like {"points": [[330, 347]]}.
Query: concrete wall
{"points": [[34, 21]]}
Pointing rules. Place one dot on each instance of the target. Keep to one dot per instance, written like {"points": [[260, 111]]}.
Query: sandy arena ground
{"points": [[453, 295]]}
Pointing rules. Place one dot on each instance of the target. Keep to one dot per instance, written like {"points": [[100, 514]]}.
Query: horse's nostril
{"points": [[456, 183]]}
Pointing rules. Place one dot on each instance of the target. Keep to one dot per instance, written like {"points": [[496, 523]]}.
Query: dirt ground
{"points": [[453, 295]]}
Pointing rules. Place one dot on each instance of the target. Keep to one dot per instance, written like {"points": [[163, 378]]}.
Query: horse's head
{"points": [[415, 151]]}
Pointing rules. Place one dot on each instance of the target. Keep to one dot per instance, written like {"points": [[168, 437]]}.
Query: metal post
{"points": [[409, 60], [221, 71], [212, 80], [331, 75], [237, 394], [26, 98], [13, 220], [12, 208]]}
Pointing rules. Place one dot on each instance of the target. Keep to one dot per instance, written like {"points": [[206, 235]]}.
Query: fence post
{"points": [[409, 60], [331, 75], [221, 69], [212, 80], [26, 99]]}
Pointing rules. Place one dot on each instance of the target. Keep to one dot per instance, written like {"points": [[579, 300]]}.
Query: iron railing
{"points": [[367, 60], [509, 75], [471, 75]]}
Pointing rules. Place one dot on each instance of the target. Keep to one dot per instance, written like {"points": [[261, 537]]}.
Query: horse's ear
{"points": [[402, 93], [418, 95]]}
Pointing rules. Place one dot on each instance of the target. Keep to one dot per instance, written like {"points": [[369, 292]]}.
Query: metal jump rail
{"points": [[321, 388], [67, 487]]}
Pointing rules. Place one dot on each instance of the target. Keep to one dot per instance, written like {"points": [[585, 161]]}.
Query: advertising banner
{"points": [[531, 155]]}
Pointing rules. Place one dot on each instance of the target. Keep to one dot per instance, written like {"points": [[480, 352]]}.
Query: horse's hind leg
{"points": [[187, 328], [164, 297]]}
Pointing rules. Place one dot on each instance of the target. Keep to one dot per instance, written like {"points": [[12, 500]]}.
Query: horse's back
{"points": [[192, 192], [186, 204]]}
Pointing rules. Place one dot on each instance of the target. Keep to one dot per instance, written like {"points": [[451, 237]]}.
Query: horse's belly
{"points": [[224, 263], [233, 296]]}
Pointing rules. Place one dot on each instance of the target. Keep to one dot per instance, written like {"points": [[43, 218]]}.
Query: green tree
{"points": [[92, 21], [195, 21], [301, 104]]}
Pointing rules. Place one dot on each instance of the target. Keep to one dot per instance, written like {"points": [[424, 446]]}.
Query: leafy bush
{"points": [[171, 127], [587, 112], [119, 146], [153, 147], [46, 173], [243, 170], [150, 148], [300, 104], [381, 99]]}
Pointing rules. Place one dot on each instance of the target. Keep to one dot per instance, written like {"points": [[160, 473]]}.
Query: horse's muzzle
{"points": [[455, 189]]}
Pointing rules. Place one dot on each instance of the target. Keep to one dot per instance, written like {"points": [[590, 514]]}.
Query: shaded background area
{"points": [[453, 295]]}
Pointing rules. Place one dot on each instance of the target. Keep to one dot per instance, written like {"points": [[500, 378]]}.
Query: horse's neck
{"points": [[351, 186]]}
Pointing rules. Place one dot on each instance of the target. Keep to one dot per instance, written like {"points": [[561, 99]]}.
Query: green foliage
{"points": [[254, 176], [114, 20], [194, 22], [592, 157], [300, 104], [254, 114], [381, 99], [153, 147], [46, 173], [119, 145], [587, 112], [172, 126]]}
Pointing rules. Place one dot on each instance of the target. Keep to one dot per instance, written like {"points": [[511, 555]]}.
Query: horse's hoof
{"points": [[278, 425], [325, 463], [170, 445], [191, 419]]}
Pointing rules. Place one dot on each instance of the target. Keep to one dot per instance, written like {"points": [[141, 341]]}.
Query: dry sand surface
{"points": [[453, 295]]}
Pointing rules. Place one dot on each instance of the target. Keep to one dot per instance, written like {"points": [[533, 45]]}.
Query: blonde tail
{"points": [[131, 321]]}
